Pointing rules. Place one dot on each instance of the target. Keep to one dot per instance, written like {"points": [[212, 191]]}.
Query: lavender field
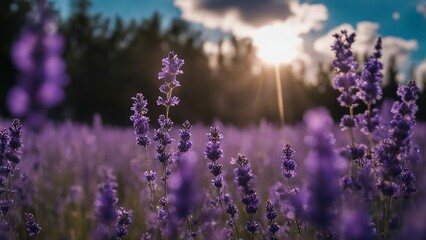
{"points": [[262, 182], [162, 177]]}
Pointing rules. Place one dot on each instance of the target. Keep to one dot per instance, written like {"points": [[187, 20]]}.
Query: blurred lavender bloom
{"points": [[366, 181], [140, 121], [370, 84], [184, 194], [37, 55], [105, 202], [408, 179], [146, 236], [356, 225], [288, 164], [75, 194], [347, 122], [321, 164], [32, 227], [183, 187]]}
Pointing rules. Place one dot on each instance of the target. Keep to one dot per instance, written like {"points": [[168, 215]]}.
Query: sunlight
{"points": [[277, 43]]}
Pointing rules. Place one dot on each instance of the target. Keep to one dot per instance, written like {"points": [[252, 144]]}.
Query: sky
{"points": [[308, 23]]}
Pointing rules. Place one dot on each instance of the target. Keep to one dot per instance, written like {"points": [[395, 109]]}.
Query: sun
{"points": [[277, 43]]}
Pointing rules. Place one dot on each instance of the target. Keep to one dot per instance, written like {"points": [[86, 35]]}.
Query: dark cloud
{"points": [[253, 12]]}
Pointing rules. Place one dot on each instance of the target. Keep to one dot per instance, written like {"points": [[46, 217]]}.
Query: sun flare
{"points": [[277, 43]]}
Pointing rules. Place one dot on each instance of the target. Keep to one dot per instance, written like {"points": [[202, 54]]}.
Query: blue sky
{"points": [[401, 19]]}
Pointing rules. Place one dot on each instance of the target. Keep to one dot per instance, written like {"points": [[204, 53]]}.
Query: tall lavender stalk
{"points": [[396, 179], [10, 156], [273, 227], [321, 164], [213, 152], [112, 222], [245, 181], [171, 68], [370, 91], [141, 130], [346, 79], [184, 197], [37, 55]]}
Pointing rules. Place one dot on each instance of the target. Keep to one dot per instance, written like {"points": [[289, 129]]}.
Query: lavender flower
{"points": [[245, 180], [163, 139], [346, 80], [271, 214], [392, 151], [232, 211], [370, 90], [404, 112], [370, 121], [140, 121], [185, 142], [171, 68], [321, 163], [31, 225], [288, 165], [105, 209], [213, 152], [37, 55], [124, 218]]}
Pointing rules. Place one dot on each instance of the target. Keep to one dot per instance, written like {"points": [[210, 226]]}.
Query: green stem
{"points": [[236, 229]]}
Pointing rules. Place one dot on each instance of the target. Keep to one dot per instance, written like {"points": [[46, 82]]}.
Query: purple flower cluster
{"points": [[10, 157], [37, 55], [163, 139], [171, 68], [32, 227], [245, 180], [370, 83], [140, 120], [213, 152], [124, 218], [106, 212], [404, 115], [185, 142], [273, 227], [288, 164], [346, 79], [105, 202], [396, 179]]}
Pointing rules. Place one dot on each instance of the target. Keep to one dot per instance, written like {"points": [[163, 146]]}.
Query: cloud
{"points": [[421, 8], [420, 74], [244, 17], [396, 16]]}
